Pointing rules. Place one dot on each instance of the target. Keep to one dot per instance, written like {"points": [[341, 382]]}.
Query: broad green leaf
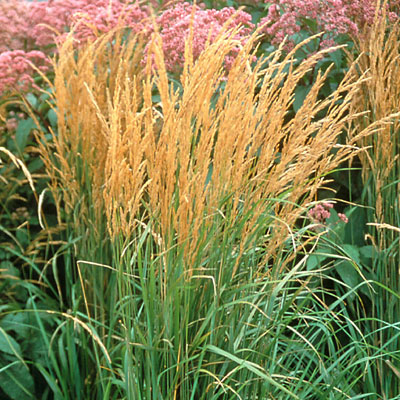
{"points": [[310, 23], [156, 98], [16, 381], [35, 165], [300, 94], [314, 261], [367, 251], [52, 117], [355, 228], [23, 130], [7, 268], [32, 99], [18, 322], [352, 252], [8, 345], [337, 57], [347, 272], [22, 237]]}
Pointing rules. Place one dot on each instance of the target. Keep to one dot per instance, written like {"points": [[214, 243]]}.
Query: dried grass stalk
{"points": [[175, 160], [380, 95]]}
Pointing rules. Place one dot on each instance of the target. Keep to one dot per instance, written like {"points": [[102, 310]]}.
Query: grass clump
{"points": [[380, 164], [184, 264], [218, 135]]}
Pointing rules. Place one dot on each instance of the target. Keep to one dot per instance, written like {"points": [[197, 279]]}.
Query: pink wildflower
{"points": [[16, 70], [89, 17], [14, 24], [11, 124], [285, 17], [320, 213], [175, 23], [27, 26]]}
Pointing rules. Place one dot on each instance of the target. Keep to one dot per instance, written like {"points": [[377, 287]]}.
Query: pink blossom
{"points": [[14, 24], [320, 213], [26, 26], [343, 218], [174, 24], [11, 124], [89, 18], [286, 17], [16, 69]]}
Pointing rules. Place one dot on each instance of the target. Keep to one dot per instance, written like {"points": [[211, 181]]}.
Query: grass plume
{"points": [[380, 94], [183, 196], [220, 134]]}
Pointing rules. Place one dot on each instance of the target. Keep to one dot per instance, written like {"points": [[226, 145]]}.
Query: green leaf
{"points": [[16, 381], [301, 93], [8, 345], [7, 268], [52, 117], [17, 322], [352, 252], [32, 99], [367, 251], [310, 23], [334, 218], [314, 261], [356, 227], [347, 272], [337, 57], [23, 130], [35, 165], [22, 237], [256, 16]]}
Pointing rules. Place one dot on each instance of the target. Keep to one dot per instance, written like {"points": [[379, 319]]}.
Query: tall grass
{"points": [[218, 135], [380, 94], [186, 275]]}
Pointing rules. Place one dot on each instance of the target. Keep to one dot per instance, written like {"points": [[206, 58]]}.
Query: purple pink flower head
{"points": [[89, 18], [16, 69], [29, 30], [287, 17], [174, 25], [322, 212], [30, 26], [343, 218], [14, 25]]}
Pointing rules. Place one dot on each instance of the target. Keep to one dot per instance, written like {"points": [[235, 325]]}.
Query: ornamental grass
{"points": [[380, 164], [184, 272], [210, 135]]}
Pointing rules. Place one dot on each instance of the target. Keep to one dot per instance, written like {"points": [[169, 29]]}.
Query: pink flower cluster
{"points": [[16, 69], [11, 121], [89, 18], [29, 30], [287, 17], [174, 26], [321, 212], [14, 25], [24, 25]]}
